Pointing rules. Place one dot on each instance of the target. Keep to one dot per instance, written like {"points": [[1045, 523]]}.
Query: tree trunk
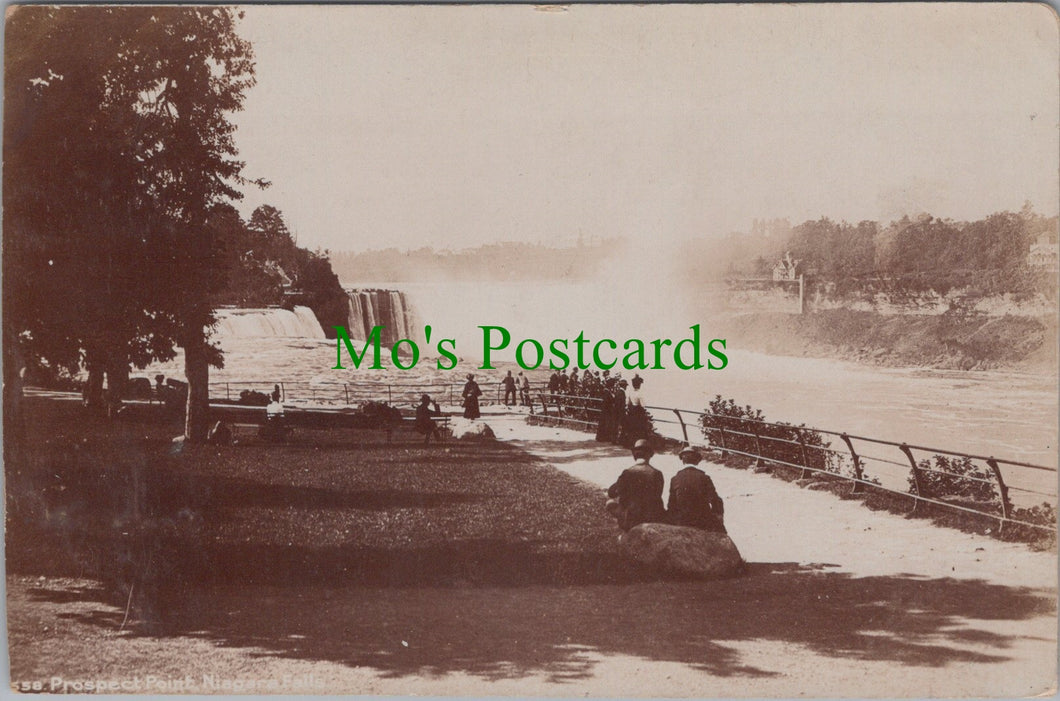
{"points": [[12, 394], [197, 372], [117, 381], [92, 395]]}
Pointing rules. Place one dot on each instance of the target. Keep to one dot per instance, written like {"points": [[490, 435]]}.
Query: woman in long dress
{"points": [[471, 394]]}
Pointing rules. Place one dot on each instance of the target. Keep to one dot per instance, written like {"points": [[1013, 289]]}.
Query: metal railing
{"points": [[804, 448], [578, 409], [352, 394], [798, 447]]}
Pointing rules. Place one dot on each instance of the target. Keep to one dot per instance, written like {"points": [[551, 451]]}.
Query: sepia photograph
{"points": [[578, 350]]}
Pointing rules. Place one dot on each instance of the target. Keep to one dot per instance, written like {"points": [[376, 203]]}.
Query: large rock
{"points": [[682, 552], [471, 430]]}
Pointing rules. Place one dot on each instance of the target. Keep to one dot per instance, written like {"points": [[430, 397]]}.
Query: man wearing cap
{"points": [[693, 500], [637, 495]]}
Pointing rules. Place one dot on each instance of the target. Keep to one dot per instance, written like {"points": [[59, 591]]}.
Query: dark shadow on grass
{"points": [[513, 632], [172, 492], [559, 452]]}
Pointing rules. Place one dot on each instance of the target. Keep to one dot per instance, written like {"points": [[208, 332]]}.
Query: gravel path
{"points": [[773, 521]]}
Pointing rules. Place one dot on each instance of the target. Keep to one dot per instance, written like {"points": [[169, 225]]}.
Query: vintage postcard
{"points": [[666, 350]]}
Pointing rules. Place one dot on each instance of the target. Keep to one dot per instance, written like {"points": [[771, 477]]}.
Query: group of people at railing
{"points": [[607, 400], [636, 497]]}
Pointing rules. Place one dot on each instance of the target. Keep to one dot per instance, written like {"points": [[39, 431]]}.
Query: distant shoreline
{"points": [[931, 341]]}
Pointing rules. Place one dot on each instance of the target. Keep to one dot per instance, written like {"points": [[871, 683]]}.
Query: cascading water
{"points": [[388, 308], [254, 323]]}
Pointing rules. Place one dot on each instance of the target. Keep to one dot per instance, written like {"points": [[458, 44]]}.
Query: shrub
{"points": [[728, 426], [379, 414], [942, 477], [252, 397]]}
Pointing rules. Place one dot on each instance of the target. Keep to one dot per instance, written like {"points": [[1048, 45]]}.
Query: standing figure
{"points": [[524, 389], [509, 388], [275, 396], [694, 502], [621, 432], [637, 495], [634, 397], [424, 421], [553, 388], [638, 423], [608, 425], [471, 394], [160, 389]]}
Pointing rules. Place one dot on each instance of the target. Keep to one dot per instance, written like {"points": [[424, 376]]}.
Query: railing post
{"points": [[389, 396], [1002, 489], [228, 393], [724, 451], [759, 462], [857, 463], [916, 474], [346, 389], [684, 429], [802, 453], [283, 393]]}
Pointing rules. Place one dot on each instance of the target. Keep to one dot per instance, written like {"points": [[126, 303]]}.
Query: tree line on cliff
{"points": [[906, 257], [120, 173]]}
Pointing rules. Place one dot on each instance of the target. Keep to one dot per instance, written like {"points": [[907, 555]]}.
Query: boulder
{"points": [[471, 430], [682, 552]]}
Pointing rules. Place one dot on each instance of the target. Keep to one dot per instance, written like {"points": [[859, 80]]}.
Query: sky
{"points": [[455, 126]]}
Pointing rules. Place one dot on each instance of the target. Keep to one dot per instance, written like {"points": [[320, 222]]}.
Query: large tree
{"points": [[119, 155]]}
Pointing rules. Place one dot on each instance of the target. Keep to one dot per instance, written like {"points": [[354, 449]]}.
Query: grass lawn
{"points": [[121, 503]]}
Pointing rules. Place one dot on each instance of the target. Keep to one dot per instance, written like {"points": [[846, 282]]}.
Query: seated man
{"points": [[274, 428], [693, 500], [424, 421], [637, 495]]}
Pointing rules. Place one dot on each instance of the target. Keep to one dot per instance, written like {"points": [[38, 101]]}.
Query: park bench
{"points": [[244, 418]]}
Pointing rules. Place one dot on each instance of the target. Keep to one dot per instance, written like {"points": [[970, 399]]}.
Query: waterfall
{"points": [[388, 308], [250, 323]]}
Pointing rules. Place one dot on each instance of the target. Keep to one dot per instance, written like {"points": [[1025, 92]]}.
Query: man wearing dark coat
{"points": [[694, 502], [637, 495], [425, 421], [509, 388]]}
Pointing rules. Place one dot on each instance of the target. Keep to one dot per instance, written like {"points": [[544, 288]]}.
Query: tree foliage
{"points": [[912, 256], [263, 258], [119, 163]]}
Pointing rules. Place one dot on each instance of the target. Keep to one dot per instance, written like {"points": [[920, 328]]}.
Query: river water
{"points": [[1011, 415]]}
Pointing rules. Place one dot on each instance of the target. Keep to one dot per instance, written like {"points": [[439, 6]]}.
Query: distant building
{"points": [[1045, 254], [787, 268]]}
